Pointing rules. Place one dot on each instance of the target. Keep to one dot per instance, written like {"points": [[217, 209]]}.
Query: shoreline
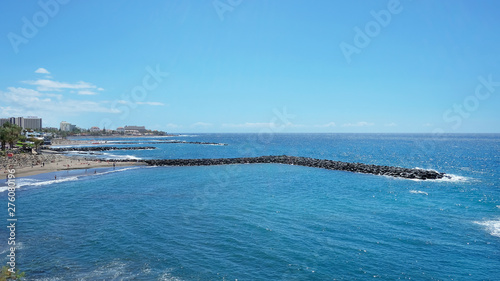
{"points": [[31, 165]]}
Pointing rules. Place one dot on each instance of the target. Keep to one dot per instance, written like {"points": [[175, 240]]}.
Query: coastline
{"points": [[31, 165]]}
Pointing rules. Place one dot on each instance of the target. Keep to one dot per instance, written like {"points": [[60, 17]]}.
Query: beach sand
{"points": [[39, 164]]}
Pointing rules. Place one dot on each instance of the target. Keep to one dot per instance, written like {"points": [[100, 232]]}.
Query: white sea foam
{"points": [[118, 170], [21, 182], [114, 156], [446, 178], [492, 226], [42, 183], [167, 276], [418, 192], [453, 178]]}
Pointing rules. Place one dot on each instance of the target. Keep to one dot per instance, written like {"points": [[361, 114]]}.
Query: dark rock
{"points": [[308, 162], [101, 148]]}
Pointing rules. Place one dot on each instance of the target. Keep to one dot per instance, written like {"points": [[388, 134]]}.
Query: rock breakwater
{"points": [[308, 162], [101, 148]]}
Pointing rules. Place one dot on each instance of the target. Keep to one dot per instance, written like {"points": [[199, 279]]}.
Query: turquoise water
{"points": [[269, 221]]}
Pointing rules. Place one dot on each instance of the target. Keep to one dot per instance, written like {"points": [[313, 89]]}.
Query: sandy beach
{"points": [[29, 165]]}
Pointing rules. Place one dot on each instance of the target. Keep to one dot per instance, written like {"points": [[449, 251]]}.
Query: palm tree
{"points": [[36, 142], [15, 133], [3, 136], [9, 133]]}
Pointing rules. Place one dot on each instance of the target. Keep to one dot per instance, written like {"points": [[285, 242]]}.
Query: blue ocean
{"points": [[267, 221]]}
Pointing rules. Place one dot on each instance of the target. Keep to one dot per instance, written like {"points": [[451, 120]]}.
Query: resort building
{"points": [[140, 129], [67, 127], [95, 129], [31, 122]]}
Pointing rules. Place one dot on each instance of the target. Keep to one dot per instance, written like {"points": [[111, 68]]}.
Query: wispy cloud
{"points": [[249, 125], [154, 103], [42, 71], [46, 85], [327, 125], [173, 126], [37, 103], [358, 124], [87, 93], [391, 124], [201, 124], [260, 125]]}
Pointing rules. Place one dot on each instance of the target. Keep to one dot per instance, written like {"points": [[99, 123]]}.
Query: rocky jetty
{"points": [[101, 148], [175, 141], [308, 162]]}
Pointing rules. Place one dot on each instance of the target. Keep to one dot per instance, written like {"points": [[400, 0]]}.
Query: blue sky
{"points": [[254, 66]]}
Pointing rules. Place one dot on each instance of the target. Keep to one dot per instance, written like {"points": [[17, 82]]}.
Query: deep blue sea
{"points": [[267, 221]]}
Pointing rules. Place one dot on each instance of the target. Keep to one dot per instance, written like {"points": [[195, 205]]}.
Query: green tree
{"points": [[9, 133], [3, 137], [36, 142], [14, 134], [7, 275]]}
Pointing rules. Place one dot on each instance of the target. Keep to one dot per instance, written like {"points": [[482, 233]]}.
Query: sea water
{"points": [[267, 221]]}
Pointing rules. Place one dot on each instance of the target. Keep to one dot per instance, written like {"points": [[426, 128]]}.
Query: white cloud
{"points": [[150, 103], [359, 124], [391, 124], [327, 125], [153, 103], [249, 125], [45, 85], [261, 125], [31, 101], [42, 71], [201, 124], [87, 93], [173, 126]]}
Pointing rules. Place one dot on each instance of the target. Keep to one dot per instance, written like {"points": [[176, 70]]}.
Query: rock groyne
{"points": [[176, 141], [101, 148], [308, 162]]}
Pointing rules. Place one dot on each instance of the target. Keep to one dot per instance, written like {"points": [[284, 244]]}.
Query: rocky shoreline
{"points": [[398, 172], [177, 141]]}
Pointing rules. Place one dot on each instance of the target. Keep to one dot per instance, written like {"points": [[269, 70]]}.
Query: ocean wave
{"points": [[24, 182], [453, 178], [167, 276], [492, 226], [446, 177], [118, 170], [418, 192], [121, 157], [33, 182]]}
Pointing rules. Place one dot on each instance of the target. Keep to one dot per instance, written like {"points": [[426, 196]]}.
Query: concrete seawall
{"points": [[308, 162]]}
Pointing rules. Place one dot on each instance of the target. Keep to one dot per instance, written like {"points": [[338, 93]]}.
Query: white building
{"points": [[66, 126]]}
